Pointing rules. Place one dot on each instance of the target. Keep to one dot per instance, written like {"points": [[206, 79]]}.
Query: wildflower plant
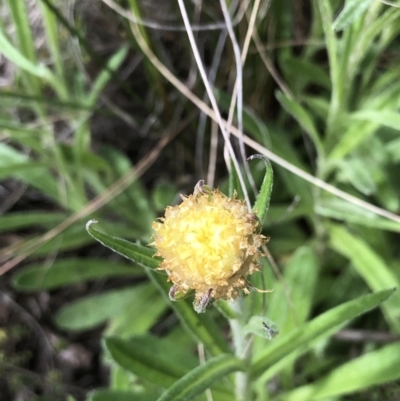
{"points": [[210, 245], [339, 95]]}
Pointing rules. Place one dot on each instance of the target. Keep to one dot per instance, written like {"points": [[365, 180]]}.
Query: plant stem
{"points": [[242, 351]]}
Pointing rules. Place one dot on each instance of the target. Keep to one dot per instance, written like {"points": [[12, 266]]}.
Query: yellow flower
{"points": [[209, 243]]}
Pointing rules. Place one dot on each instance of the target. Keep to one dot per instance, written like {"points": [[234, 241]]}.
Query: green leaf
{"points": [[15, 168], [302, 72], [128, 322], [39, 177], [137, 253], [69, 271], [105, 75], [303, 118], [386, 118], [156, 360], [201, 378], [370, 266], [300, 276], [355, 172], [393, 149], [298, 341], [12, 53], [18, 220], [352, 10], [90, 311], [349, 140], [342, 210], [281, 145], [377, 367], [118, 395], [201, 326], [261, 205]]}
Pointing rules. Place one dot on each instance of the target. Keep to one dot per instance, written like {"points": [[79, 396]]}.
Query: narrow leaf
{"points": [[199, 379], [352, 10], [113, 395], [12, 53], [137, 253], [300, 276], [12, 169], [386, 118], [303, 118], [377, 367], [261, 205], [341, 210], [93, 310], [319, 327], [18, 220], [370, 267], [105, 75], [69, 271], [354, 171], [129, 322], [156, 360]]}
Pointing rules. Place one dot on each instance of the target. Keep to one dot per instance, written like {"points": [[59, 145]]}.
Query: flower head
{"points": [[209, 243]]}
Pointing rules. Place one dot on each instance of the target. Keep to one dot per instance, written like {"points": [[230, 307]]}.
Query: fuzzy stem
{"points": [[242, 351]]}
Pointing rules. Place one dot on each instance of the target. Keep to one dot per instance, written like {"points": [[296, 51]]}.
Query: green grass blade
{"points": [[120, 395], [69, 271], [326, 13], [351, 11], [86, 45], [377, 367], [106, 74], [40, 178], [9, 51], [55, 46], [303, 118], [15, 168], [18, 220], [321, 326], [370, 266], [262, 202], [199, 379], [386, 118], [22, 26]]}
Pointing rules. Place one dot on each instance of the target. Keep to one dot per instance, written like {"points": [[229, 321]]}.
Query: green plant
{"points": [[316, 94]]}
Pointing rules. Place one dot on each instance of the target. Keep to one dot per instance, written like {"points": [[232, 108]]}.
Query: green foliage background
{"points": [[92, 127]]}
